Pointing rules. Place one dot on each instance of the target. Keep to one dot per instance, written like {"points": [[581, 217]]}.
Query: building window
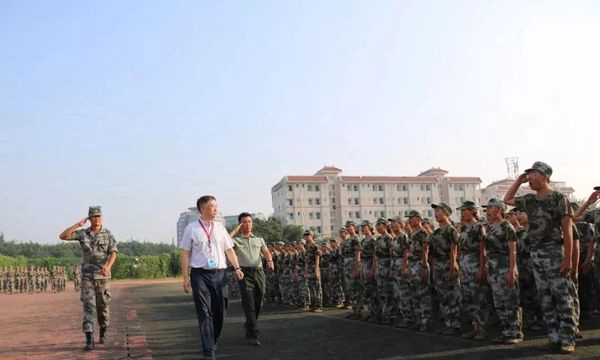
{"points": [[318, 215], [355, 187], [311, 215], [317, 188], [333, 200], [333, 207], [291, 216], [349, 201], [404, 188], [461, 187], [297, 186], [357, 215], [318, 201], [398, 187], [318, 229], [380, 187], [298, 213], [374, 200], [350, 214], [428, 187], [382, 214], [310, 201], [381, 200], [422, 200], [356, 201], [309, 188], [429, 199], [405, 201], [374, 187], [291, 202], [290, 188], [422, 187]]}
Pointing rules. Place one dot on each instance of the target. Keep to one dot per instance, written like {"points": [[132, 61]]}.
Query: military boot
{"points": [[102, 338], [89, 341]]}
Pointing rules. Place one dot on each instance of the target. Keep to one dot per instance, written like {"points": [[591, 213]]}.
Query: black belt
{"points": [[208, 270]]}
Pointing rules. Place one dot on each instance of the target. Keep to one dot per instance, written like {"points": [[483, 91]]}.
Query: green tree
{"points": [[292, 233]]}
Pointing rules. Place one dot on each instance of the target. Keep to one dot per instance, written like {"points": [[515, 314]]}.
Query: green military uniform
{"points": [[420, 297], [367, 249], [313, 281], [352, 285], [387, 280], [95, 287]]}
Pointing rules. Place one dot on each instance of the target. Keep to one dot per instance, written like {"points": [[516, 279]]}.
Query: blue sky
{"points": [[143, 107]]}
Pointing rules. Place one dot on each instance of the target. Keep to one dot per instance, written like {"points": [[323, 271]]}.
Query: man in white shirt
{"points": [[204, 248]]}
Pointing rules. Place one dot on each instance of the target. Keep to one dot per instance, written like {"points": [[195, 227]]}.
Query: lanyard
{"points": [[208, 234]]}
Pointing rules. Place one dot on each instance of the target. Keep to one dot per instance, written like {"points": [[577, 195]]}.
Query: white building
{"points": [[324, 201]]}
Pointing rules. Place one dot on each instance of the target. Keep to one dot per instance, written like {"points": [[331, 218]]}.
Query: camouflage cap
{"points": [[397, 218], [95, 211], [332, 240], [427, 220], [350, 222], [444, 206], [366, 223], [541, 167], [303, 242], [307, 232], [280, 243], [343, 229], [414, 213], [467, 205], [495, 202], [382, 221]]}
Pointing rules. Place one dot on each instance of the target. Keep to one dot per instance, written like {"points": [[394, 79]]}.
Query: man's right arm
{"points": [[66, 235], [591, 200], [185, 269], [509, 197]]}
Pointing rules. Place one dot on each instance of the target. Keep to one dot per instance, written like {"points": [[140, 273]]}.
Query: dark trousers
{"points": [[210, 296], [252, 291]]}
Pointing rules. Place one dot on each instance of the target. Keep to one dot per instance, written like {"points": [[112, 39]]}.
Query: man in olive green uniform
{"points": [[99, 249], [249, 250]]}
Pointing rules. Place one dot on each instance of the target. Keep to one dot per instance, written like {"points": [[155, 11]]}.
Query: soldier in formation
{"points": [[21, 279]]}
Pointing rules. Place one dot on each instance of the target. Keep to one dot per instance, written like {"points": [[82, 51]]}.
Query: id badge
{"points": [[212, 263]]}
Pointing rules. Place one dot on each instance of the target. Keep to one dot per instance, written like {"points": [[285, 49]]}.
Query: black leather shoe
{"points": [[102, 338], [89, 341]]}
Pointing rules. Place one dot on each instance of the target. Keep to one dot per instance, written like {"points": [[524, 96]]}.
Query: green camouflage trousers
{"points": [[300, 291], [527, 290], [353, 286], [387, 290], [95, 295], [448, 294], [370, 286], [315, 291], [506, 298], [420, 294], [335, 285], [403, 295], [555, 294], [474, 295]]}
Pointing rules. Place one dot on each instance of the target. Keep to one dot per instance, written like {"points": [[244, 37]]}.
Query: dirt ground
{"points": [[156, 320]]}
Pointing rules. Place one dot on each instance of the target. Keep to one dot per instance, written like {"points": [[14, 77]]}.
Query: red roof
{"points": [[389, 179], [433, 171], [464, 180], [328, 169]]}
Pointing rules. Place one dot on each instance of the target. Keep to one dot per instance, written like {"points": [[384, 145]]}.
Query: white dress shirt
{"points": [[195, 240]]}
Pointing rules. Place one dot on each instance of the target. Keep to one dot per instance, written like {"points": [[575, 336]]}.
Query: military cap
{"points": [[496, 203], [541, 167], [332, 240], [350, 222], [343, 229], [366, 223], [414, 213], [467, 205], [307, 232], [280, 243], [303, 242], [427, 220], [596, 187], [95, 211], [444, 206], [382, 221], [396, 218]]}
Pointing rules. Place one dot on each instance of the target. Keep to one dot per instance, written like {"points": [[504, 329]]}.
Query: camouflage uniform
{"points": [[336, 266], [474, 294], [353, 289], [527, 289], [506, 297], [405, 286], [387, 281], [313, 282], [448, 291], [302, 296], [325, 267], [367, 248], [587, 236], [95, 287], [420, 297], [287, 283], [547, 252]]}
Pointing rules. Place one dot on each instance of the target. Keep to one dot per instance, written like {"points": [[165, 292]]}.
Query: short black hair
{"points": [[203, 200], [243, 215]]}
